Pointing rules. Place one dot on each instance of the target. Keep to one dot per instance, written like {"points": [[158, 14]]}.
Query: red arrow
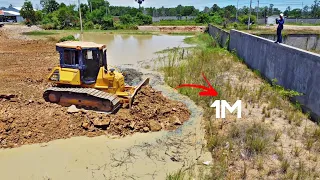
{"points": [[208, 91]]}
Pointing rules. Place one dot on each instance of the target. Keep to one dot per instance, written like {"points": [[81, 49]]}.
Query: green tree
{"points": [[107, 22], [287, 11], [206, 10], [305, 11], [202, 18], [315, 9], [126, 19], [49, 5], [231, 8], [245, 18], [216, 19], [89, 25], [142, 19], [215, 8], [295, 13], [271, 9], [179, 9], [188, 10], [96, 16], [27, 12], [98, 4], [172, 12], [66, 16], [38, 16]]}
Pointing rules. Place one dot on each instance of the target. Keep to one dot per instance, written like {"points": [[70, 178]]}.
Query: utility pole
{"points": [[249, 21], [302, 11], [90, 6], [80, 17], [107, 8], [258, 12], [237, 9]]}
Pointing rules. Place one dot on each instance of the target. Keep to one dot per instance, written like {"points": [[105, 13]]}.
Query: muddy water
{"points": [[140, 156], [128, 49]]}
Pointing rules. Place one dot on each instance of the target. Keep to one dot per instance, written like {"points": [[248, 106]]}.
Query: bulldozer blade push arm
{"points": [[143, 83]]}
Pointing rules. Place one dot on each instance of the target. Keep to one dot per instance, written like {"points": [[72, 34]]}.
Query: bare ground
{"points": [[26, 118]]}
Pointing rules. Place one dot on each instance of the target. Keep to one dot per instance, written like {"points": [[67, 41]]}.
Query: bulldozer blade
{"points": [[143, 83]]}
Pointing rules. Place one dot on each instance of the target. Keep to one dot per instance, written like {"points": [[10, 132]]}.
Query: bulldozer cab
{"points": [[88, 57]]}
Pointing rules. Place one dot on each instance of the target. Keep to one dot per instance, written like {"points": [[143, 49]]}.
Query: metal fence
{"points": [[157, 19]]}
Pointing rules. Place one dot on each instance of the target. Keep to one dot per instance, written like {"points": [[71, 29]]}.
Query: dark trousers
{"points": [[279, 36]]}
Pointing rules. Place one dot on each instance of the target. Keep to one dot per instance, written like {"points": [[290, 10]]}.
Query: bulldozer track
{"points": [[115, 100]]}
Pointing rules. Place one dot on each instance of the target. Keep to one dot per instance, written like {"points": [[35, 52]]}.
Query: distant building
{"points": [[12, 14]]}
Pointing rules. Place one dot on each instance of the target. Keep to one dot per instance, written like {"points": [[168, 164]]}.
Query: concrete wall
{"points": [[221, 36], [272, 20], [302, 41], [308, 21], [294, 68]]}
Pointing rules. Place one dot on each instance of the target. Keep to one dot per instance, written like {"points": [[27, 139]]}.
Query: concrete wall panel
{"points": [[294, 68], [220, 35]]}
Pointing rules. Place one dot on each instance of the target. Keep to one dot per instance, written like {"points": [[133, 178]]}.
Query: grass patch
{"points": [[256, 139], [39, 33], [68, 38], [179, 175], [233, 142], [182, 33]]}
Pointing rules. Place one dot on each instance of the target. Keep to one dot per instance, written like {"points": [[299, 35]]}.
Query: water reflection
{"points": [[129, 49]]}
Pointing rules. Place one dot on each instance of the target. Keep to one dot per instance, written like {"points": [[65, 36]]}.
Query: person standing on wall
{"points": [[280, 23]]}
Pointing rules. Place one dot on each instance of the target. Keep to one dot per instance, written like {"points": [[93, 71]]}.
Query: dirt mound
{"points": [[16, 31], [26, 122], [25, 118], [131, 76]]}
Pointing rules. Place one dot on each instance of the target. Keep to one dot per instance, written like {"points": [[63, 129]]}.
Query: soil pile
{"points": [[25, 118], [26, 122]]}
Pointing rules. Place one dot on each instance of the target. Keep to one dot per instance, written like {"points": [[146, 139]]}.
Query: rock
{"points": [[83, 111], [174, 109], [132, 124], [27, 134], [85, 125], [154, 125], [3, 119], [73, 109], [8, 96], [175, 120], [2, 137], [10, 120], [146, 129], [207, 163], [14, 100], [98, 122]]}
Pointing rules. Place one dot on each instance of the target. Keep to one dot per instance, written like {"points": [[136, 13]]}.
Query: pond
{"points": [[130, 49]]}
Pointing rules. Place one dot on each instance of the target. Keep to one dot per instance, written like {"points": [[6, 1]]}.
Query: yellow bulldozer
{"points": [[84, 79]]}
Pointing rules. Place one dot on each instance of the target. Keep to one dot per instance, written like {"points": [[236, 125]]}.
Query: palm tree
{"points": [[139, 2]]}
